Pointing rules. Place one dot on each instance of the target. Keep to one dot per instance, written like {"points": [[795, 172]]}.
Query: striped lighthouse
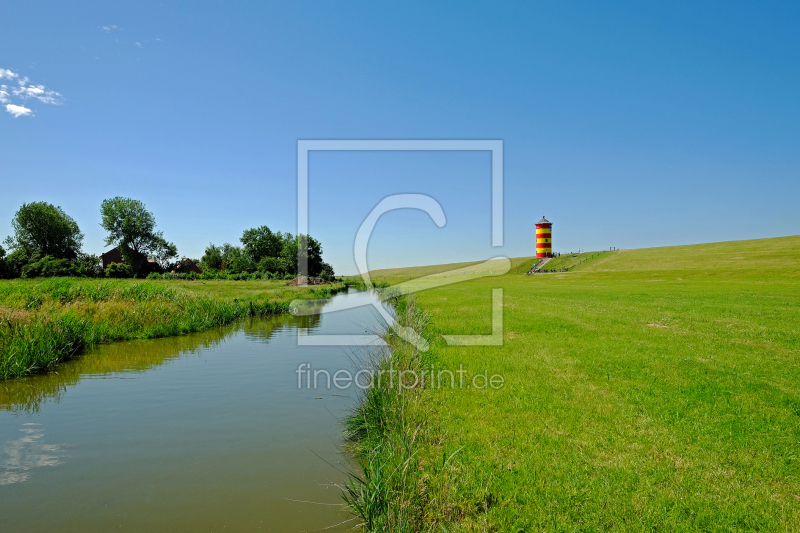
{"points": [[544, 238]]}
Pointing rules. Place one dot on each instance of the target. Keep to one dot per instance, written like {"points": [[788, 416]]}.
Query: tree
{"points": [[133, 228], [261, 242], [229, 258], [235, 260], [273, 265], [46, 229], [212, 258], [307, 246], [266, 251], [164, 254]]}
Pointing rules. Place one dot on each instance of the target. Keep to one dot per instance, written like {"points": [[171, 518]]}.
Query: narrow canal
{"points": [[206, 432]]}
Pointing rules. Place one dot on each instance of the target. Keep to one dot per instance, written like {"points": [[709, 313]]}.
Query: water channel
{"points": [[204, 432]]}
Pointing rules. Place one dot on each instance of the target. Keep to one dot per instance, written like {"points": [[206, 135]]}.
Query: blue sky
{"points": [[627, 124]]}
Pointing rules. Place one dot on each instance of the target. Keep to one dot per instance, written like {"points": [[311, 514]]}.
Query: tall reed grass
{"points": [[52, 320]]}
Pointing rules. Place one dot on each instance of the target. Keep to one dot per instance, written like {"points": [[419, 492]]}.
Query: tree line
{"points": [[47, 242], [266, 252]]}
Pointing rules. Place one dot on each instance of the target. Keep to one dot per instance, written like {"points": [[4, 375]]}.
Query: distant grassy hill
{"points": [[774, 253], [517, 265], [778, 253]]}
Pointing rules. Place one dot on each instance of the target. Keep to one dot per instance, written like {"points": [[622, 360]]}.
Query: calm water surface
{"points": [[206, 432]]}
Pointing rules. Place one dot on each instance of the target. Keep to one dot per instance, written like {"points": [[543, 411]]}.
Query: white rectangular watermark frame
{"points": [[495, 146]]}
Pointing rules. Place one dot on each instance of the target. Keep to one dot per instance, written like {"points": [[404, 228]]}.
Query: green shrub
{"points": [[15, 261], [209, 273], [2, 263], [48, 267], [270, 264], [119, 270], [327, 272], [89, 265], [240, 263]]}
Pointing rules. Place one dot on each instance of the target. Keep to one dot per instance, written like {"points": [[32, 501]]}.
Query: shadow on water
{"points": [[208, 431]]}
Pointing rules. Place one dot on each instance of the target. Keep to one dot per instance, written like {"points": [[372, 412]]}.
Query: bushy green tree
{"points": [[46, 229], [227, 258], [212, 258], [236, 261], [164, 254], [295, 248], [261, 242], [132, 228], [265, 251]]}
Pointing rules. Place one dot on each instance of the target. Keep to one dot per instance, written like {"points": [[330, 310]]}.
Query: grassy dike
{"points": [[47, 321], [645, 390]]}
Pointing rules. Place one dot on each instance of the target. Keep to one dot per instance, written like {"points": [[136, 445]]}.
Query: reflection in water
{"points": [[28, 393], [18, 457]]}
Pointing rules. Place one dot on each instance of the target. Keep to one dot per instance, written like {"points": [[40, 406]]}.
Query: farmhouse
{"points": [[112, 256]]}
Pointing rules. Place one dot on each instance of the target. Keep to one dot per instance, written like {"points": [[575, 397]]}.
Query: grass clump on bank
{"points": [[408, 473], [44, 322], [381, 433]]}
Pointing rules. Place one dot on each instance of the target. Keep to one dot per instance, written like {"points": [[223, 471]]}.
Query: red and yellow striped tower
{"points": [[544, 238]]}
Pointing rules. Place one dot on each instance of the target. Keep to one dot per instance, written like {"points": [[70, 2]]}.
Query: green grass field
{"points": [[645, 390], [518, 265]]}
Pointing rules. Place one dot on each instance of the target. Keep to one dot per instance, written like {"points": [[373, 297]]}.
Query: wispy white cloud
{"points": [[14, 97], [109, 28], [137, 44], [18, 110], [7, 74], [39, 92]]}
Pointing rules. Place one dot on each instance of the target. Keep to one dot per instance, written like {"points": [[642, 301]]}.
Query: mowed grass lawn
{"points": [[649, 390]]}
